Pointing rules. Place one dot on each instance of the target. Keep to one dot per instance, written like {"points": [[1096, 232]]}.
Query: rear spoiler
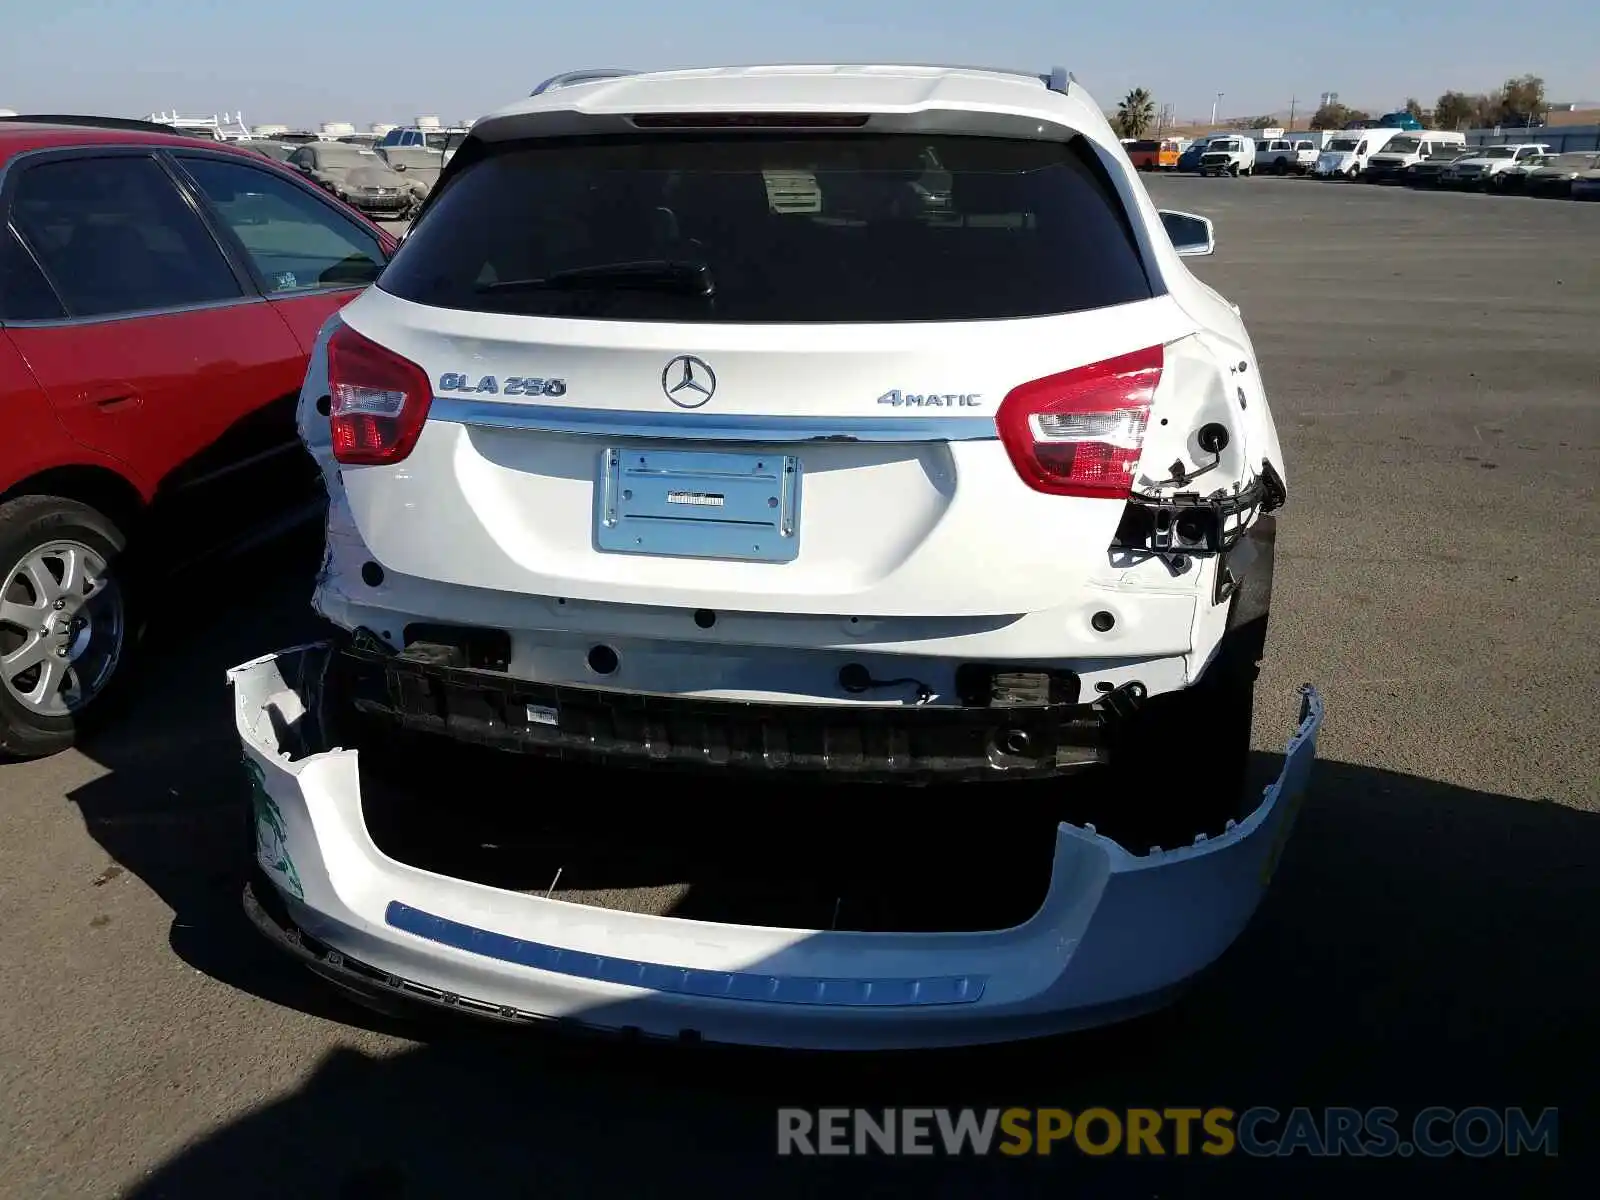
{"points": [[569, 78], [1057, 79]]}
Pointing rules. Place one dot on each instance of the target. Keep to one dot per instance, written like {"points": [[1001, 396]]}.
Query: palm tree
{"points": [[1136, 113]]}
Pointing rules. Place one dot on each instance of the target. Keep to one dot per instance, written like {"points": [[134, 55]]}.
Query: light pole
{"points": [[1214, 104]]}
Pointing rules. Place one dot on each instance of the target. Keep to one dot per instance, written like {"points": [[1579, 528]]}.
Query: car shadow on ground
{"points": [[1422, 944], [169, 808]]}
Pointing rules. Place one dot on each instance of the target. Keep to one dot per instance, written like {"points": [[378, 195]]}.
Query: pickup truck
{"points": [[1282, 156], [1478, 168], [1232, 155]]}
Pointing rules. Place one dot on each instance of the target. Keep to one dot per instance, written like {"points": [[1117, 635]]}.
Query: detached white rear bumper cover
{"points": [[1116, 934]]}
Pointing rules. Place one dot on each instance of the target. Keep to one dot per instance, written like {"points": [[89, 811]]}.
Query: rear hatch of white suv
{"points": [[760, 369]]}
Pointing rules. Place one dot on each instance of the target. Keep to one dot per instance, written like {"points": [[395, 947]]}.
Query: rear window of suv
{"points": [[776, 228]]}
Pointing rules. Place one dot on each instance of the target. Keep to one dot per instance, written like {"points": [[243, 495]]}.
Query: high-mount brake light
{"points": [[378, 401], [1080, 433], [750, 120]]}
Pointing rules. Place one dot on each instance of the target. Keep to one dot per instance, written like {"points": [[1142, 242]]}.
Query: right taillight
{"points": [[1080, 433], [378, 401]]}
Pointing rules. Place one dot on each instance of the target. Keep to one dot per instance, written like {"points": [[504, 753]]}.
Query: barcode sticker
{"points": [[700, 499]]}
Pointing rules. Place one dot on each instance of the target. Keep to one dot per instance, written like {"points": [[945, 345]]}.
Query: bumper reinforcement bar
{"points": [[386, 693]]}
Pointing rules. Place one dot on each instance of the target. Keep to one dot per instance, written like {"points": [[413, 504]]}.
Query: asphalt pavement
{"points": [[1429, 939]]}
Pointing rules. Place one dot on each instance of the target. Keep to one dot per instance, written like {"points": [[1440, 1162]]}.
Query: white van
{"points": [[1232, 154], [1389, 164], [1346, 154]]}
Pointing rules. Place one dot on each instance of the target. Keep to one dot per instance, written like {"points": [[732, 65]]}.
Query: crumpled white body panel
{"points": [[1117, 933]]}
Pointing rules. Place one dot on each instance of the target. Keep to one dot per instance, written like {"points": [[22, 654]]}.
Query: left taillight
{"points": [[378, 401], [1080, 433]]}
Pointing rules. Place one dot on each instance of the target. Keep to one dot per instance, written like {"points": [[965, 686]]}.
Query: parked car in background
{"points": [[159, 298], [1403, 119], [412, 135], [1429, 171], [418, 167], [1154, 154], [1514, 179], [1478, 167], [1554, 176], [1345, 156], [1189, 158], [1389, 165], [1286, 156], [361, 178], [271, 148], [439, 141], [1231, 155]]}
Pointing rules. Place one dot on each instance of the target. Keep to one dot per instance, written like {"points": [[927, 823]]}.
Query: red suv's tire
{"points": [[65, 621]]}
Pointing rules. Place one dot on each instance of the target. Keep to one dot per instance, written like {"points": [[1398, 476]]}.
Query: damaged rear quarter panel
{"points": [[316, 435], [311, 423]]}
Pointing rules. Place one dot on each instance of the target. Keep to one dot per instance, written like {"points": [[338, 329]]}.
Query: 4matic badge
{"points": [[516, 385], [899, 399]]}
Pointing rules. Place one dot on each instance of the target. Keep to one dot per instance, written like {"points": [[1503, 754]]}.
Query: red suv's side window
{"points": [[294, 239], [115, 236], [25, 294]]}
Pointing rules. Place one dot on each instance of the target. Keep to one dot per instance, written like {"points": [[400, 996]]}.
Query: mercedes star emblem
{"points": [[688, 381]]}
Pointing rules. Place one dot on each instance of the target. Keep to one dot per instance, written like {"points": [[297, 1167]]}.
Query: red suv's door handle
{"points": [[113, 397]]}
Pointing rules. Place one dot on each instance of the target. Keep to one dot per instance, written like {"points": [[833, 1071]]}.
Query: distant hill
{"points": [[1584, 114]]}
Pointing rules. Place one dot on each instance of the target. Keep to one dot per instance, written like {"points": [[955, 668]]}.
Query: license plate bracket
{"points": [[698, 504]]}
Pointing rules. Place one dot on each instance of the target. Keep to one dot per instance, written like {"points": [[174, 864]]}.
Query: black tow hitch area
{"points": [[1024, 724], [470, 646], [1121, 703], [1192, 523]]}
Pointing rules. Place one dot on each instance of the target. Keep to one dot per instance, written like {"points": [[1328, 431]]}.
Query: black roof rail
{"points": [[568, 78], [127, 124]]}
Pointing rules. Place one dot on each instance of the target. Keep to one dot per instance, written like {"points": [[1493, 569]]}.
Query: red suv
{"points": [[159, 300]]}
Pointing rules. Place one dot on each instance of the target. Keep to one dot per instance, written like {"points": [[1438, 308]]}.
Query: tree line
{"points": [[1519, 101]]}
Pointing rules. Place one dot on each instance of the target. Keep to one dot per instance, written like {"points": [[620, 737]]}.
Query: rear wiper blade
{"points": [[650, 274]]}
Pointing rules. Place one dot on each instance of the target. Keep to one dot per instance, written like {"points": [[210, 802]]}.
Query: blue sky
{"points": [[302, 61]]}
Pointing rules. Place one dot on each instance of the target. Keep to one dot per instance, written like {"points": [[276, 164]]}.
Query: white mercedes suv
{"points": [[824, 423]]}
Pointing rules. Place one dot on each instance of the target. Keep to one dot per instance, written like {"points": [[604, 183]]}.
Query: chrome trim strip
{"points": [[240, 464], [140, 314], [760, 986], [599, 422]]}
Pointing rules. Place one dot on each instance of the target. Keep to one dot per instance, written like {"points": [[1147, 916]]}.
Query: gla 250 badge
{"points": [[488, 385]]}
